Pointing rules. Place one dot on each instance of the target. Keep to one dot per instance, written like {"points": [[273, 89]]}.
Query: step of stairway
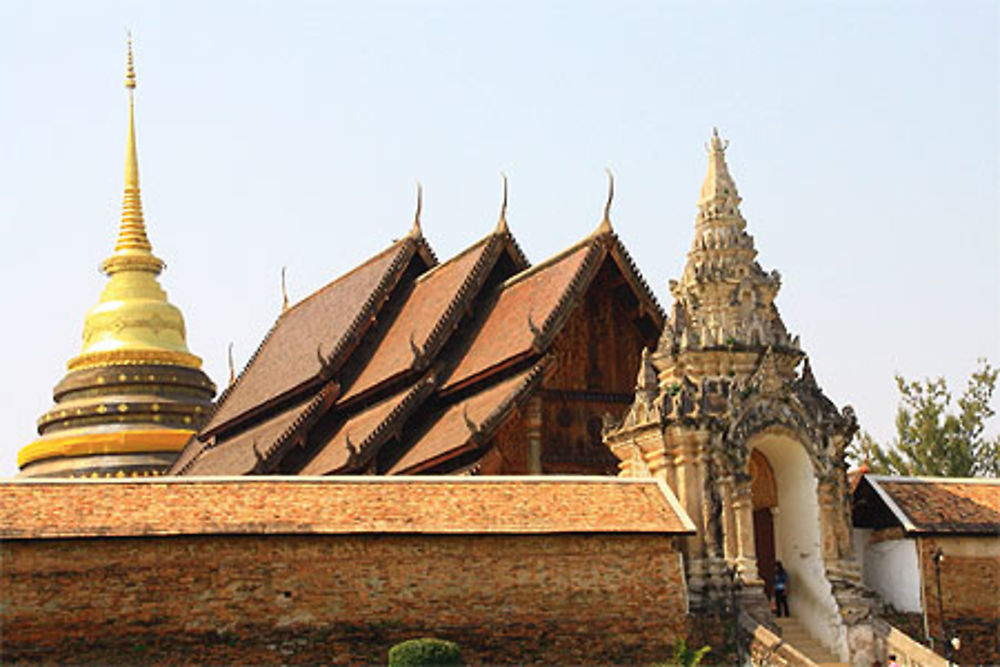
{"points": [[794, 634]]}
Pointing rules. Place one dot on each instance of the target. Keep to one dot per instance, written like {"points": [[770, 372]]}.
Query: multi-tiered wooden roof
{"points": [[407, 365]]}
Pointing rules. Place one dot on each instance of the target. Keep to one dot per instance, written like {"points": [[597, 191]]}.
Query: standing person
{"points": [[780, 589]]}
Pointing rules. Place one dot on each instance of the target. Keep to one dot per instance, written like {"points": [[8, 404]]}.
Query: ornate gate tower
{"points": [[728, 413]]}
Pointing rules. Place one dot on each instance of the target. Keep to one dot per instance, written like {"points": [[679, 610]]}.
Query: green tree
{"points": [[932, 439]]}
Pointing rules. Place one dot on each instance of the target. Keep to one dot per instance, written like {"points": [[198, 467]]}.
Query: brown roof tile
{"points": [[365, 429], [336, 505], [323, 322], [942, 505], [433, 304], [467, 423], [525, 308], [239, 455]]}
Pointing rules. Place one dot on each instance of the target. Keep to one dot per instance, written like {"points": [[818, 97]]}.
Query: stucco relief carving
{"points": [[728, 373]]}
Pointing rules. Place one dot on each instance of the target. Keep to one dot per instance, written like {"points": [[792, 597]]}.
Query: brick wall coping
{"points": [[60, 508]]}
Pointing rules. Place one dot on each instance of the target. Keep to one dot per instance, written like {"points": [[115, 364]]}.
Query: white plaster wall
{"points": [[797, 539], [891, 568]]}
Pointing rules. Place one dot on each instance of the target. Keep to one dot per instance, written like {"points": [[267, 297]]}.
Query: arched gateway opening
{"points": [[787, 528], [764, 493]]}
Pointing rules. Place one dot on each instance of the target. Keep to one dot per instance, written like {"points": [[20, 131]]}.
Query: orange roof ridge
{"points": [[549, 261], [423, 277], [521, 299], [584, 274], [486, 260], [432, 320]]}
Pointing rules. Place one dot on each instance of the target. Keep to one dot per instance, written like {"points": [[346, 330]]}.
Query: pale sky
{"points": [[865, 141]]}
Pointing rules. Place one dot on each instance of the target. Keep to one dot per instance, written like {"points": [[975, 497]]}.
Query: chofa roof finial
{"points": [[416, 231], [605, 226], [502, 222], [284, 290]]}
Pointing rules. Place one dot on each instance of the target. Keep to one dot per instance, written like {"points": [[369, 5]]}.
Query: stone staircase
{"points": [[795, 635]]}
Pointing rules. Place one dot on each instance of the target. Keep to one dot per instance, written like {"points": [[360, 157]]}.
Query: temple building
{"points": [[481, 364], [134, 395], [464, 448]]}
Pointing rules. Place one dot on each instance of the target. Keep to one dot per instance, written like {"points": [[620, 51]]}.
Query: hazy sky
{"points": [[864, 140]]}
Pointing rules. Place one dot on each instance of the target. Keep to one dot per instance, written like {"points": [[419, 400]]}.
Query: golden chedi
{"points": [[134, 395]]}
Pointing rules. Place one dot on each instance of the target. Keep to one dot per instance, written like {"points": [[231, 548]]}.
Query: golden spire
{"points": [[132, 250], [133, 321]]}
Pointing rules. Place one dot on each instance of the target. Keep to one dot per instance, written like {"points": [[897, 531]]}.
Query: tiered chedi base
{"points": [[119, 420]]}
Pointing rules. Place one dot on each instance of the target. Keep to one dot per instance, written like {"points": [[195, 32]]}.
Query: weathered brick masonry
{"points": [[970, 592], [324, 591]]}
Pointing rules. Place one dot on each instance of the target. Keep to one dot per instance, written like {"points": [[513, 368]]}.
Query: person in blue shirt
{"points": [[780, 589]]}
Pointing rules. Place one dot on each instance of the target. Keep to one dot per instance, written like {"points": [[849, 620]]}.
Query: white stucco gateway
{"points": [[728, 413]]}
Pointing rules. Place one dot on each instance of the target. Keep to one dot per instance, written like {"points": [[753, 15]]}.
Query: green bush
{"points": [[685, 657], [426, 651]]}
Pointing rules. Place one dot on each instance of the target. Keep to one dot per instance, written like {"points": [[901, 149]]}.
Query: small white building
{"points": [[930, 546]]}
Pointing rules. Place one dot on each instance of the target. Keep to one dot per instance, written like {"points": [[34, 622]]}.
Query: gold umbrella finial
{"points": [[130, 64]]}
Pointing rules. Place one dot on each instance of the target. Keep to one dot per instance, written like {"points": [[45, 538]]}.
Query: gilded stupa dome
{"points": [[134, 395]]}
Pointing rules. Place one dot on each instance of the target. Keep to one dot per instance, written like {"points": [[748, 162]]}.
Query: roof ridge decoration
{"points": [[628, 266], [452, 314], [322, 397], [386, 428], [583, 274], [605, 226], [502, 222], [534, 375], [416, 395], [416, 230], [481, 432], [404, 248], [284, 290], [547, 262]]}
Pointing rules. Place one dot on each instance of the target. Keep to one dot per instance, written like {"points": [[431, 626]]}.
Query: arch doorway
{"points": [[764, 493]]}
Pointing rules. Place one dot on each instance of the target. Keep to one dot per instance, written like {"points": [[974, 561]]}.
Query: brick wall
{"points": [[970, 588], [340, 598]]}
